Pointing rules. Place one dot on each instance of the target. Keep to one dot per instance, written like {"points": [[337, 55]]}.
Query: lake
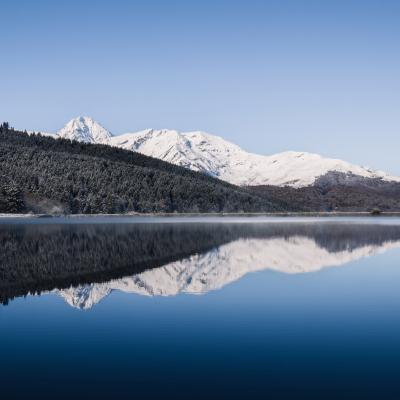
{"points": [[114, 307]]}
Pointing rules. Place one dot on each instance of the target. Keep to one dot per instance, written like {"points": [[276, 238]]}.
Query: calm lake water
{"points": [[200, 308]]}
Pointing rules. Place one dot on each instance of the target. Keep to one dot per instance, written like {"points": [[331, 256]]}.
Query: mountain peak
{"points": [[85, 129], [217, 157], [84, 119]]}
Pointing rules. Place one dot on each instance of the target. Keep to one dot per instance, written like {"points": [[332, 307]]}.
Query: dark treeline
{"points": [[335, 198], [39, 256], [43, 174], [336, 192]]}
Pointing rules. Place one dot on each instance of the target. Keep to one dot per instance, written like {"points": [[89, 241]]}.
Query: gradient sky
{"points": [[318, 76]]}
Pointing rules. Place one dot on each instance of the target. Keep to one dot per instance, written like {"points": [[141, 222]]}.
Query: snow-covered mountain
{"points": [[215, 269], [85, 129], [217, 157]]}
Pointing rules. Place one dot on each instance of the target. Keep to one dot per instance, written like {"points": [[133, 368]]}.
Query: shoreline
{"points": [[221, 215]]}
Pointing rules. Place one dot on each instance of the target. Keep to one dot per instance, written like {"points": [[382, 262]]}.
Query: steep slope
{"points": [[200, 151], [75, 177], [86, 130], [197, 151]]}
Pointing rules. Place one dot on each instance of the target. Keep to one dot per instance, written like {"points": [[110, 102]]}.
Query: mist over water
{"points": [[226, 308]]}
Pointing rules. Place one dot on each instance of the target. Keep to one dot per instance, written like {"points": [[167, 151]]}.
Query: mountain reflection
{"points": [[85, 262]]}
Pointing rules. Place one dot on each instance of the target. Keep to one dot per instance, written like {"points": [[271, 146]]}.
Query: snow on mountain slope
{"points": [[213, 270], [217, 157], [195, 150], [85, 129]]}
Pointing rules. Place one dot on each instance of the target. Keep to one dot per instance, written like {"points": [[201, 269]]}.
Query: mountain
{"points": [[221, 266], [217, 157], [291, 181], [46, 175], [85, 129], [200, 151]]}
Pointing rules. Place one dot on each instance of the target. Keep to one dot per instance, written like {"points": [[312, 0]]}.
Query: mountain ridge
{"points": [[219, 158]]}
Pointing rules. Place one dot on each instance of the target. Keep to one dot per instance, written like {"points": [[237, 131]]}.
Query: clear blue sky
{"points": [[319, 76]]}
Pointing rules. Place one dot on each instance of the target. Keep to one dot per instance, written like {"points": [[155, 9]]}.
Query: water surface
{"points": [[194, 308]]}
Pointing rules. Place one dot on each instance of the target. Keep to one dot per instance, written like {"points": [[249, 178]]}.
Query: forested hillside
{"points": [[42, 174], [373, 197]]}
